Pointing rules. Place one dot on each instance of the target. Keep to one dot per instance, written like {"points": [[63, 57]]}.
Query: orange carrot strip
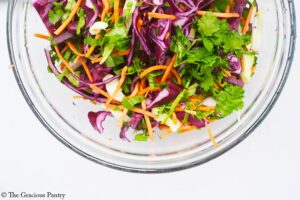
{"points": [[205, 108], [64, 49], [151, 69], [69, 19], [105, 9], [161, 67], [167, 35], [226, 72], [141, 111], [100, 91], [122, 79], [148, 89], [122, 53], [174, 118], [168, 70], [42, 36], [122, 117], [187, 128], [211, 136], [63, 60], [135, 91], [216, 85], [92, 48], [253, 69], [247, 22], [96, 60], [221, 15], [166, 134], [143, 82], [62, 67], [228, 8], [139, 25], [161, 16], [137, 110], [86, 69], [148, 122], [74, 50], [116, 10]]}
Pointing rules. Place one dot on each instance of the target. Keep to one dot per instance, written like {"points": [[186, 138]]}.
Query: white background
{"points": [[264, 166]]}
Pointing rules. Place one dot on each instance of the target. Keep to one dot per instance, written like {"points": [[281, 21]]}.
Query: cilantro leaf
{"points": [[141, 137], [130, 102], [179, 43], [228, 100], [208, 25], [56, 13], [81, 22], [113, 61]]}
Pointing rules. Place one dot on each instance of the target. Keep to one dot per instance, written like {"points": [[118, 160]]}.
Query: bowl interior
{"points": [[66, 117]]}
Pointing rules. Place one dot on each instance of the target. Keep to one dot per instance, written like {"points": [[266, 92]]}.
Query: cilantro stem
{"points": [[174, 104]]}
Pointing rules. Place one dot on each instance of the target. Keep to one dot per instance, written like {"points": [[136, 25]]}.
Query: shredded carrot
{"points": [[86, 69], [247, 22], [174, 118], [226, 72], [92, 48], [187, 128], [136, 110], [168, 70], [149, 3], [228, 8], [221, 15], [161, 67], [143, 82], [76, 59], [63, 60], [64, 49], [166, 134], [124, 113], [183, 7], [74, 50], [216, 86], [205, 108], [163, 127], [139, 25], [253, 69], [62, 67], [148, 122], [148, 89], [211, 136], [167, 35], [79, 97], [100, 91], [141, 111], [105, 9], [121, 81], [122, 53], [64, 25], [161, 16], [96, 60], [42, 36], [243, 62], [135, 91], [116, 10]]}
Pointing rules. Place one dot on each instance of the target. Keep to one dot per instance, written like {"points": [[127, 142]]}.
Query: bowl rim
{"points": [[258, 121]]}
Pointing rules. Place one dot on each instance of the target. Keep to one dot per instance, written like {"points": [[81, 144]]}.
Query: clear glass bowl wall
{"points": [[67, 120]]}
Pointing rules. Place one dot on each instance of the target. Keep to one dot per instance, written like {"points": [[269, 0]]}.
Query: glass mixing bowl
{"points": [[67, 120]]}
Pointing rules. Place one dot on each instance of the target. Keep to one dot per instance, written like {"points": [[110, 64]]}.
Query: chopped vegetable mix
{"points": [[170, 64]]}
